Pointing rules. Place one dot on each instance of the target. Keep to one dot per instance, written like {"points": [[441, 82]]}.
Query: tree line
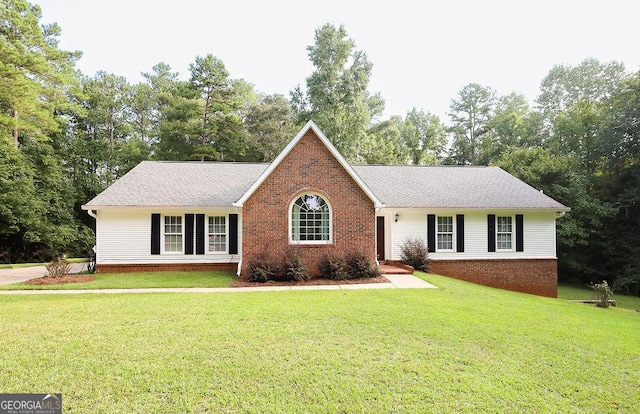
{"points": [[65, 136]]}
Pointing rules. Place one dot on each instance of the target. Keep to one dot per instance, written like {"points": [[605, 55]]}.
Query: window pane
{"points": [[504, 233], [504, 225], [445, 241], [173, 224], [445, 224], [504, 241], [445, 233], [173, 243], [310, 219], [173, 233], [217, 234]]}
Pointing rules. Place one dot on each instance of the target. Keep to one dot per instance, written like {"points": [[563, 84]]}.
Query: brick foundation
{"points": [[166, 267], [535, 276]]}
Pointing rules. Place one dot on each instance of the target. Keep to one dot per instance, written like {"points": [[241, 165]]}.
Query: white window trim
{"points": [[207, 234], [513, 234], [163, 239], [453, 238], [290, 219]]}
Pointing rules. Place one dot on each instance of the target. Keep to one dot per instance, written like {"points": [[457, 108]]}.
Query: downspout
{"points": [[95, 246]]}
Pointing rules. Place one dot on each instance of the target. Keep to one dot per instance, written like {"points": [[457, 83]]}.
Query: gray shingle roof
{"points": [[452, 187], [213, 184], [190, 184]]}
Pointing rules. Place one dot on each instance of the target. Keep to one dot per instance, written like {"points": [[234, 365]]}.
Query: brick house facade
{"points": [[481, 224], [308, 168]]}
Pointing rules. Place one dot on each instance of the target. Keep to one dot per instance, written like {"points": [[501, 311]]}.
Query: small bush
{"points": [[293, 266], [263, 267], [352, 265], [601, 293], [58, 267], [332, 266], [360, 266], [415, 253]]}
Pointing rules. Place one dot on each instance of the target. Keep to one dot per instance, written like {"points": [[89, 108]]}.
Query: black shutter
{"points": [[491, 230], [188, 234], [460, 233], [233, 234], [519, 233], [431, 232], [155, 234], [200, 231]]}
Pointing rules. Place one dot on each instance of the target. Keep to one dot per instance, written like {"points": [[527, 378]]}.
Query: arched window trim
{"points": [[291, 218]]}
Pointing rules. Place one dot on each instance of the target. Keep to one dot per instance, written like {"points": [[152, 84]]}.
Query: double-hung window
{"points": [[217, 234], [310, 220], [445, 233], [173, 234], [504, 233]]}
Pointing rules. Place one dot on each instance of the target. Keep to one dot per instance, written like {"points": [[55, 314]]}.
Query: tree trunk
{"points": [[15, 132]]}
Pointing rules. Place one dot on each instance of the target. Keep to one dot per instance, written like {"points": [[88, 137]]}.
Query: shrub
{"points": [[332, 266], [293, 266], [352, 265], [601, 293], [58, 267], [263, 267], [359, 265], [415, 253]]}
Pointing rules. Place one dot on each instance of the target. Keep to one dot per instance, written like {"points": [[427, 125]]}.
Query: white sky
{"points": [[423, 52]]}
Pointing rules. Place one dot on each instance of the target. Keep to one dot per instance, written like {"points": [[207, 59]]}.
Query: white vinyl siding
{"points": [[124, 237], [539, 233]]}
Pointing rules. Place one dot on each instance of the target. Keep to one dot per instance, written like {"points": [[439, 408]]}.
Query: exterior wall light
{"points": [[397, 217]]}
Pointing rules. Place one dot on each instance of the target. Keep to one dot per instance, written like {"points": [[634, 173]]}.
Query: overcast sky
{"points": [[423, 52]]}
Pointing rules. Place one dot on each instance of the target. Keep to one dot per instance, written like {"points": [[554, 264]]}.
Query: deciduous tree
{"points": [[336, 95], [470, 114]]}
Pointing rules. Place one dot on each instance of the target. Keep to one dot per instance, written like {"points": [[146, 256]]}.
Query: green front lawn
{"points": [[459, 348], [139, 280]]}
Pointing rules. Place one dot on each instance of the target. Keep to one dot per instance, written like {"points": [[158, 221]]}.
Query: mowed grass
{"points": [[138, 280], [460, 348]]}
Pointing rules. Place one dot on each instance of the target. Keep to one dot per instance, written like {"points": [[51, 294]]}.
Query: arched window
{"points": [[310, 220]]}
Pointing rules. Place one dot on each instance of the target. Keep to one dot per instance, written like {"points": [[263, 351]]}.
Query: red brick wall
{"points": [[166, 267], [536, 276], [309, 166]]}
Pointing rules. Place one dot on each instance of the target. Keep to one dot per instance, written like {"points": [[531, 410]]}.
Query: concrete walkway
{"points": [[395, 282]]}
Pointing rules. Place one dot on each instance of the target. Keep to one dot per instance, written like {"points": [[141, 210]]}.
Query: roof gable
{"points": [[334, 152]]}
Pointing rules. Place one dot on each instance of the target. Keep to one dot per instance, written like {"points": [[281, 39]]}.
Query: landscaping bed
{"points": [[310, 282], [45, 280]]}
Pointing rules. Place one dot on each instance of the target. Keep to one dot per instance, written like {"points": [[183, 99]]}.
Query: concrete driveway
{"points": [[8, 276]]}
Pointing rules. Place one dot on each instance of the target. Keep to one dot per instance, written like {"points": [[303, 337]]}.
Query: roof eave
{"points": [[563, 208]]}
